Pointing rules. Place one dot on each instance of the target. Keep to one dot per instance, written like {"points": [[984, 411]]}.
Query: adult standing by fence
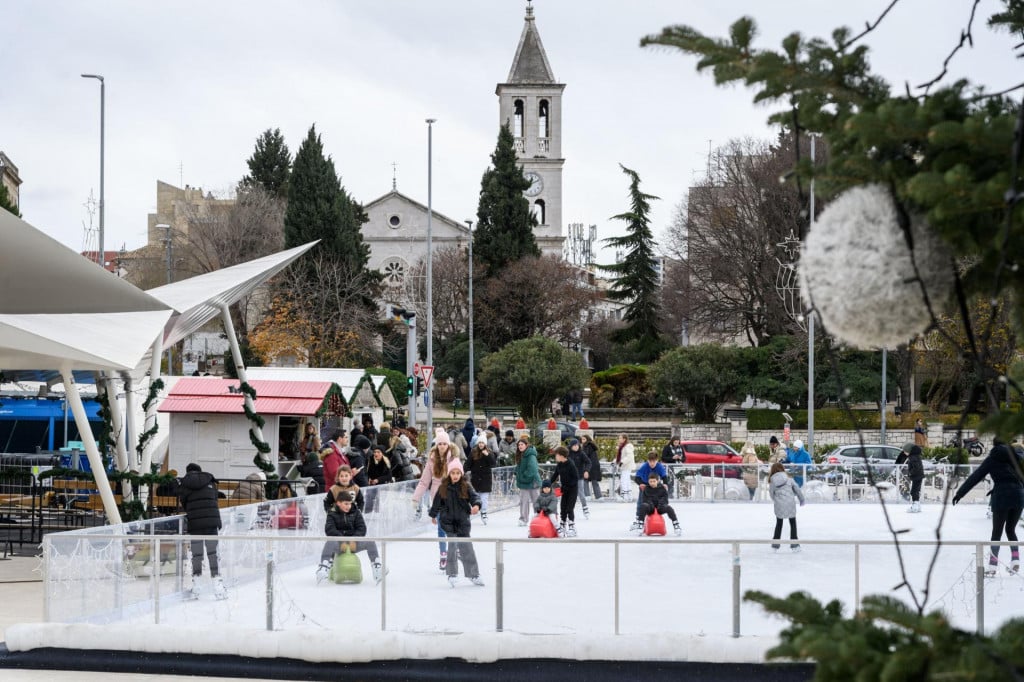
{"points": [[198, 496], [527, 478], [1003, 465]]}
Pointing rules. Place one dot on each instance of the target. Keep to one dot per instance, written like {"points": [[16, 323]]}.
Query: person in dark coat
{"points": [[580, 459], [468, 431], [357, 455], [401, 465], [565, 471], [479, 464], [915, 472], [378, 470], [346, 521], [197, 494], [593, 476], [313, 468], [451, 508], [1004, 466]]}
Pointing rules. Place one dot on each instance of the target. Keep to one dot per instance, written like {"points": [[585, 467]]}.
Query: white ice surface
{"points": [[675, 599]]}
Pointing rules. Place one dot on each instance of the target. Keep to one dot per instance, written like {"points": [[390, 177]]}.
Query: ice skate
{"points": [[570, 530], [443, 561], [915, 508], [637, 527], [322, 571], [586, 512], [452, 579], [990, 572], [561, 530], [378, 573], [796, 549], [196, 590], [419, 514], [676, 529], [219, 591], [483, 517], [1014, 567], [477, 580], [521, 523]]}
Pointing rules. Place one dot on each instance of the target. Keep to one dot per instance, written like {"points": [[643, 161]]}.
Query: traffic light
{"points": [[402, 315], [419, 385], [410, 386]]}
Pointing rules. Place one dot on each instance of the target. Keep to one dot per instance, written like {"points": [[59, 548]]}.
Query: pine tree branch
{"points": [[965, 37]]}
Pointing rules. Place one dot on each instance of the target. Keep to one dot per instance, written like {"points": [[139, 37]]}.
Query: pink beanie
{"points": [[441, 437], [456, 463]]}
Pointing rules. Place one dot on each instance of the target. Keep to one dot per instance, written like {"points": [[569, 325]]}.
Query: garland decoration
{"points": [[262, 447], [145, 436]]}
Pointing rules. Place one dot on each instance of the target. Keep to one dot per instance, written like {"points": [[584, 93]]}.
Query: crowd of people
{"points": [[454, 480]]}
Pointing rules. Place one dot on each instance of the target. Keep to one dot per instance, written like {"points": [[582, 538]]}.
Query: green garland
{"points": [[106, 440], [262, 446], [145, 436]]}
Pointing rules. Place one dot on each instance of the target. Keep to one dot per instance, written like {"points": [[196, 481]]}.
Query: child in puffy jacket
{"points": [[451, 509], [784, 493], [546, 501], [656, 500]]}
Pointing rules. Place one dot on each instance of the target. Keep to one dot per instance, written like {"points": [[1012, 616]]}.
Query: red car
{"points": [[713, 452]]}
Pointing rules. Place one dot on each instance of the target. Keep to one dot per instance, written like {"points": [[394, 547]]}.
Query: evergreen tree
{"points": [[270, 164], [504, 230], [320, 208], [635, 279], [6, 203]]}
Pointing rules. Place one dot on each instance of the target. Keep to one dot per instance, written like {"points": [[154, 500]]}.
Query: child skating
{"points": [[785, 493], [565, 472], [655, 500], [453, 504]]}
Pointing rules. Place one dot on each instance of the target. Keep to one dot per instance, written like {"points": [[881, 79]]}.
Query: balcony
{"points": [[544, 145]]}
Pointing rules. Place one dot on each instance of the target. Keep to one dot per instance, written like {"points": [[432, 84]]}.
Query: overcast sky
{"points": [[191, 85]]}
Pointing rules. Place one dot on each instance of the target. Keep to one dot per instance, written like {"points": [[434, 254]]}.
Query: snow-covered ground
{"points": [[559, 598]]}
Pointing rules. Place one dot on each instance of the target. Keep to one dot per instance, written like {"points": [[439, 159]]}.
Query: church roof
{"points": [[530, 65], [440, 216]]}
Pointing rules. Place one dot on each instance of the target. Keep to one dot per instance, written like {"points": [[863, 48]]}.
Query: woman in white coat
{"points": [[624, 461]]}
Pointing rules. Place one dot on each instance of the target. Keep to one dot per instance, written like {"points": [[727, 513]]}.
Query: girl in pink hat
{"points": [[453, 504]]}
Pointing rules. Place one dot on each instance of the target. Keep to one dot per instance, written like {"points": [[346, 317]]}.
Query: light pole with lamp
{"points": [[169, 245], [472, 411], [101, 256], [430, 277]]}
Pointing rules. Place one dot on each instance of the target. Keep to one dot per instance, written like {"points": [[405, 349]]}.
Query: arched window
{"points": [[517, 118], [540, 210], [542, 122]]}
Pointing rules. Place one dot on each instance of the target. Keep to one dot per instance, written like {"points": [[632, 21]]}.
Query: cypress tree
{"points": [[635, 278], [504, 231], [270, 164]]}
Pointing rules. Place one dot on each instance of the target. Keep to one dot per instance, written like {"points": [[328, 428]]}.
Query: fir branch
{"points": [[965, 37]]}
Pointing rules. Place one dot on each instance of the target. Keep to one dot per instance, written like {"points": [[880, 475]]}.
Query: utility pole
{"points": [[169, 246]]}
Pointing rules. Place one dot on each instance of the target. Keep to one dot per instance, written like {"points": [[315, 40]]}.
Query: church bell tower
{"points": [[530, 103]]}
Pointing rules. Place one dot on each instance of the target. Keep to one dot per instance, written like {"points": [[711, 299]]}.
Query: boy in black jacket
{"points": [[197, 495], [656, 499], [565, 471], [346, 521]]}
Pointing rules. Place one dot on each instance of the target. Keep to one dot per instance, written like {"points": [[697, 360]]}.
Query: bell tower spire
{"points": [[530, 103]]}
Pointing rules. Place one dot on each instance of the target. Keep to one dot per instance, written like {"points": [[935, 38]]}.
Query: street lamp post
{"points": [[103, 96], [430, 276], [169, 245], [472, 411]]}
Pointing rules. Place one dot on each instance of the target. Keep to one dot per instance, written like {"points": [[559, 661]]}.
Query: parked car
{"points": [[882, 458], [567, 428], [713, 452]]}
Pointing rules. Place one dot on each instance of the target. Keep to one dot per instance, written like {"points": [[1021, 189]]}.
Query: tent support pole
{"points": [[154, 374], [106, 384], [236, 355], [91, 451]]}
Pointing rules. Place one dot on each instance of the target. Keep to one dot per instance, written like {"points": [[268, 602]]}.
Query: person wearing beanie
{"points": [[581, 460], [546, 501], [480, 466], [1004, 466], [453, 505], [358, 455], [197, 495], [797, 455], [527, 477], [507, 449], [915, 472], [442, 453], [566, 474]]}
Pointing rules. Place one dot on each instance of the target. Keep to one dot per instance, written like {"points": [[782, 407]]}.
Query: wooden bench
{"points": [[224, 502], [228, 487], [501, 412]]}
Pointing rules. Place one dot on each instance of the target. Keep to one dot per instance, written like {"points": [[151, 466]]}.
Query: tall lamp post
{"points": [[168, 244], [430, 276], [103, 96], [472, 411]]}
